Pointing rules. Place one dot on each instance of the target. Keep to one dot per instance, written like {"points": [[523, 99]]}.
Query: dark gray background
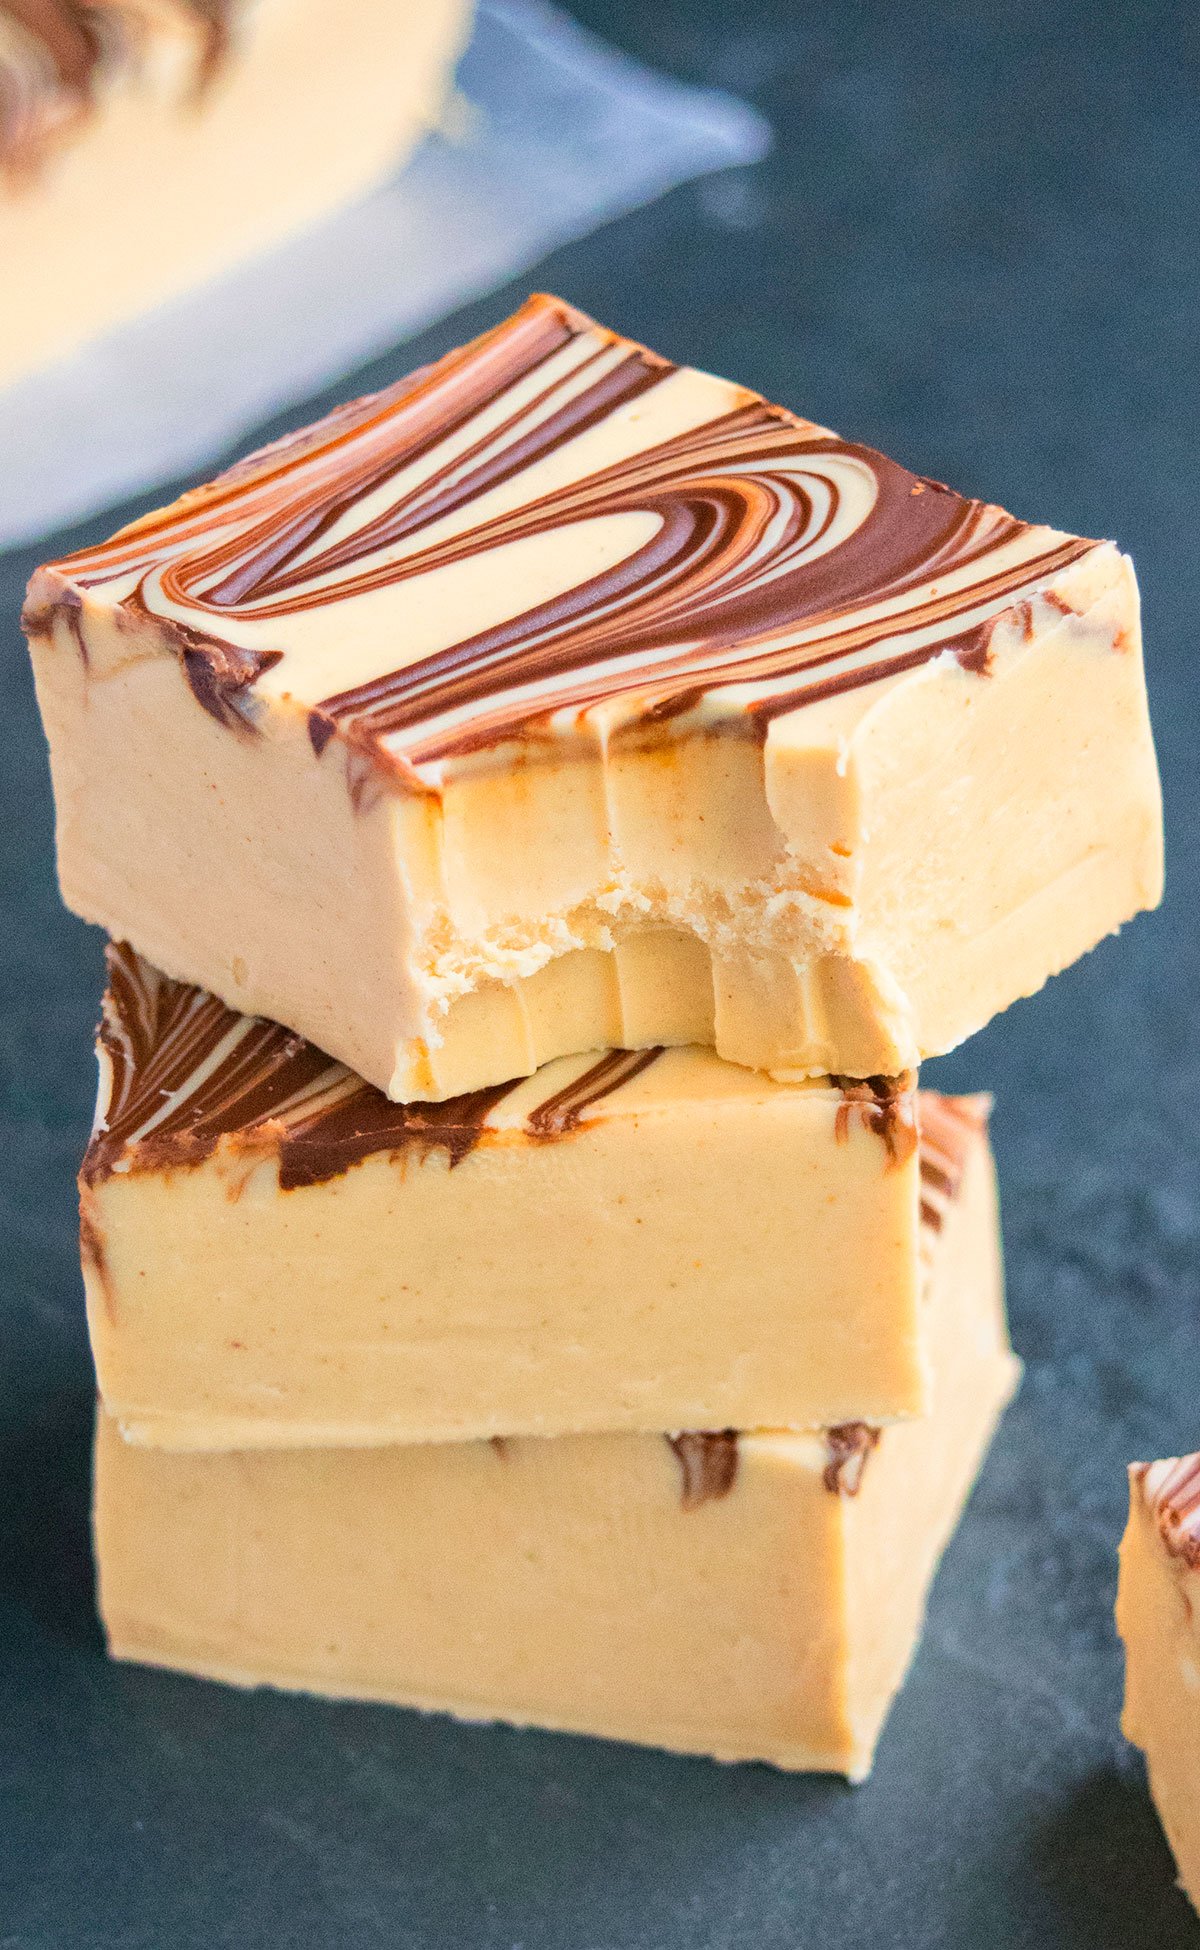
{"points": [[975, 244]]}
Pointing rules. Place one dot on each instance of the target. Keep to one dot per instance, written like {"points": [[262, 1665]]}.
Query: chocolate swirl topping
{"points": [[566, 1109], [884, 1106], [708, 1464], [848, 1447], [947, 1128], [761, 561], [54, 55], [1171, 1492], [183, 1073]]}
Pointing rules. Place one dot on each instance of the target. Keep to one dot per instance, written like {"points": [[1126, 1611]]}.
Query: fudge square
{"points": [[276, 1254], [560, 698], [1158, 1616], [747, 1596]]}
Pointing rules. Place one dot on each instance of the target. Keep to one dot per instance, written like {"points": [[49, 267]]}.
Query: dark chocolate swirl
{"points": [[708, 1464], [181, 1072], [847, 1448], [567, 1108], [948, 1129], [885, 1106]]}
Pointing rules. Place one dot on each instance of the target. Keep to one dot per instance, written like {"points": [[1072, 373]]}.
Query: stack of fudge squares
{"points": [[544, 813]]}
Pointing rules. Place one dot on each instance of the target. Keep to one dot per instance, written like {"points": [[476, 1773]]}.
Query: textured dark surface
{"points": [[974, 245]]}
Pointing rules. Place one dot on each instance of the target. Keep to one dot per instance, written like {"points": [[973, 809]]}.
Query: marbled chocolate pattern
{"points": [[775, 557], [948, 1127], [708, 1464], [54, 52], [848, 1446], [180, 1072], [1171, 1492]]}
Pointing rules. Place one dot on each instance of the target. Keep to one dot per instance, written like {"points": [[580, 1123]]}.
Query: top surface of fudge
{"points": [[549, 522], [182, 1075]]}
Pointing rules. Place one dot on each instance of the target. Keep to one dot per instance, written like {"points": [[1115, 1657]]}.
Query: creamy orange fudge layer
{"points": [[560, 698], [747, 1596], [148, 145], [275, 1253], [1158, 1616]]}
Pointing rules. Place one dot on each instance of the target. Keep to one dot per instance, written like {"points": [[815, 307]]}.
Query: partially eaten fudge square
{"points": [[560, 698]]}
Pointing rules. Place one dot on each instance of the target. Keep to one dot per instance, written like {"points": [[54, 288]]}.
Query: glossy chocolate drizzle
{"points": [[884, 1106], [708, 1464], [185, 1072], [847, 1447], [53, 54], [778, 557], [567, 1108], [1171, 1490], [948, 1129]]}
